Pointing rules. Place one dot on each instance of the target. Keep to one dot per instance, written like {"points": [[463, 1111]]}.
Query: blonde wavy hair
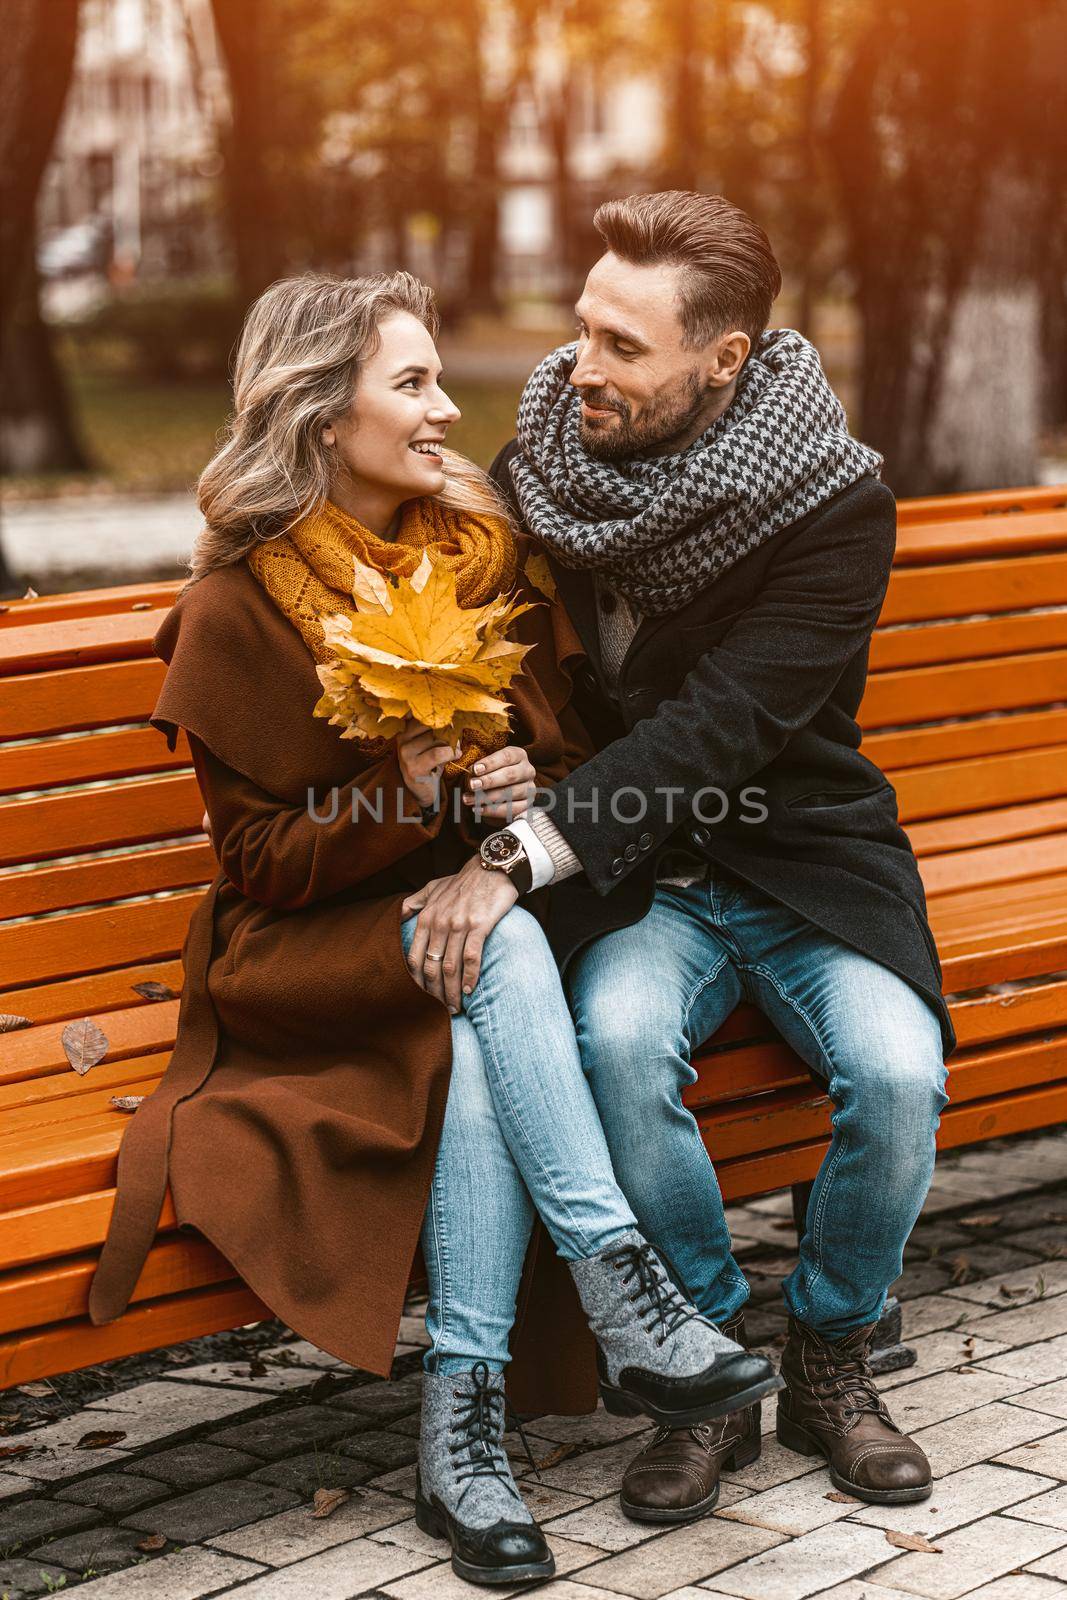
{"points": [[302, 347]]}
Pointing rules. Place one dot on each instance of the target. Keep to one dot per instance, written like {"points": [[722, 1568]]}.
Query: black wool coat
{"points": [[736, 725]]}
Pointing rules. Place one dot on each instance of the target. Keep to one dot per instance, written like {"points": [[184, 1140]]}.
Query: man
{"points": [[723, 547]]}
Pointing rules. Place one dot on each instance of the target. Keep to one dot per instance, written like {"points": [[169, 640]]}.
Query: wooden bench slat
{"points": [[907, 749], [966, 538], [973, 829], [930, 510], [142, 810], [56, 1103], [996, 863], [964, 688], [66, 947], [137, 1030], [85, 883], [91, 995], [999, 1016], [89, 603], [55, 1291], [78, 641], [28, 1355], [84, 697], [941, 642], [956, 787], [88, 758], [55, 1228], [919, 594]]}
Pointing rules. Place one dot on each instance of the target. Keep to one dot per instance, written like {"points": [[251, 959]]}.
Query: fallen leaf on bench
{"points": [[31, 594], [126, 1102], [154, 1541], [84, 1045], [912, 1541], [327, 1501], [99, 1439], [141, 605], [9, 1022], [154, 991]]}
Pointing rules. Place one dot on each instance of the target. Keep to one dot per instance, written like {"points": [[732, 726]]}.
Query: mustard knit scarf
{"points": [[307, 572]]}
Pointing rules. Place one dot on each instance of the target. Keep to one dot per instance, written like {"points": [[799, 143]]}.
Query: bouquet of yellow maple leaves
{"points": [[411, 650]]}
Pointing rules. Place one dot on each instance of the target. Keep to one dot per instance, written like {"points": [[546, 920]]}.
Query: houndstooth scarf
{"points": [[660, 529]]}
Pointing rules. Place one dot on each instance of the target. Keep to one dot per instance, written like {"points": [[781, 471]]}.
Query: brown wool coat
{"points": [[298, 1121]]}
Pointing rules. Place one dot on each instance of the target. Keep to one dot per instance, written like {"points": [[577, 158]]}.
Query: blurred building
{"points": [[128, 193]]}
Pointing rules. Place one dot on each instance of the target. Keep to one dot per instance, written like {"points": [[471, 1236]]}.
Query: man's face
{"points": [[642, 391]]}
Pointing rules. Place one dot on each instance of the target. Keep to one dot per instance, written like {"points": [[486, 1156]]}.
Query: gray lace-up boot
{"points": [[464, 1489], [657, 1355]]}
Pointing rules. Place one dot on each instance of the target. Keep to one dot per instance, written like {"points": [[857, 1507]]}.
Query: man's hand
{"points": [[422, 754], [501, 785], [456, 916]]}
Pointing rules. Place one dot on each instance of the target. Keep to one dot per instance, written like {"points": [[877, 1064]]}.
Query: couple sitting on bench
{"points": [[376, 1045]]}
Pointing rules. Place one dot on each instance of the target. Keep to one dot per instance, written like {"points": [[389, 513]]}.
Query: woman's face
{"points": [[399, 414]]}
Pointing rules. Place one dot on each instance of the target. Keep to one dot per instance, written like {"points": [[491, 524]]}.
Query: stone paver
{"points": [[970, 1557], [979, 1435], [806, 1566], [34, 1520], [335, 1574], [194, 1517], [285, 1432], [114, 1492], [958, 1498], [319, 1469], [1034, 1363], [1041, 1455], [21, 1578], [93, 1551], [292, 1535], [191, 1465], [185, 1575], [385, 1451]]}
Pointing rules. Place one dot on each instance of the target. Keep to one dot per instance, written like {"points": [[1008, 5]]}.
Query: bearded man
{"points": [[723, 547]]}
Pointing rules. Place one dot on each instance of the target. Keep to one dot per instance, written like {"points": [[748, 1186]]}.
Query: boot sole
{"points": [[621, 1403], [794, 1437], [428, 1521]]}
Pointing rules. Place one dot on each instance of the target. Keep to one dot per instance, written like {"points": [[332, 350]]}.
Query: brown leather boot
{"points": [[831, 1407], [676, 1477]]}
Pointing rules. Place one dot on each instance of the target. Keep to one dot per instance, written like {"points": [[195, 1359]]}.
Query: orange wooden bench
{"points": [[102, 860]]}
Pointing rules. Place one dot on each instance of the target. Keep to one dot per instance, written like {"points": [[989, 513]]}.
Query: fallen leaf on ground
{"points": [[9, 1022], [912, 1541], [327, 1501], [126, 1102], [154, 1541], [842, 1499], [9, 1451], [257, 1369], [99, 1439], [154, 991], [322, 1388], [982, 1219], [39, 1391], [84, 1044], [554, 1457]]}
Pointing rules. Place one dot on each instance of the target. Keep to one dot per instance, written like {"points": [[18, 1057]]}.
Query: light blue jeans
{"points": [[644, 997], [521, 1132]]}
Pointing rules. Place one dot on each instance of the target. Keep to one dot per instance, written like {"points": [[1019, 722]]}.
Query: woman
{"points": [[322, 1108]]}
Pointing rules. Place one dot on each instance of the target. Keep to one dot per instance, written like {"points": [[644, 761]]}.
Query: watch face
{"points": [[501, 848]]}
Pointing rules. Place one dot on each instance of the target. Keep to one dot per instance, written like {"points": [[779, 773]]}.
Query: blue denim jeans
{"points": [[646, 996], [521, 1132]]}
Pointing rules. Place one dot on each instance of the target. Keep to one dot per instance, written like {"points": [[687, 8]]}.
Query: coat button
{"points": [[630, 852], [645, 841], [617, 866], [700, 836]]}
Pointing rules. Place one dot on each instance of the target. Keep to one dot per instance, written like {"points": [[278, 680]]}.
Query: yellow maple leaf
{"points": [[413, 650]]}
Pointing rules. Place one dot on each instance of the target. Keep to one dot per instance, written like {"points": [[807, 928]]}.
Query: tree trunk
{"points": [[685, 126], [36, 430], [250, 47]]}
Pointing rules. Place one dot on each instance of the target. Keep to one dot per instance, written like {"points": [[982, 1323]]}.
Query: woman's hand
{"points": [[456, 917], [501, 785], [422, 755]]}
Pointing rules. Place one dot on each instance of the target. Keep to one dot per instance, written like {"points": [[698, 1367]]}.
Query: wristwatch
{"points": [[505, 852]]}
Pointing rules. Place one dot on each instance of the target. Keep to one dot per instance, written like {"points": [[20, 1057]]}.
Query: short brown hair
{"points": [[731, 277]]}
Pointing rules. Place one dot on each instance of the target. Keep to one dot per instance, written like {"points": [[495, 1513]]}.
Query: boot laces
{"points": [[845, 1373], [479, 1452], [664, 1305]]}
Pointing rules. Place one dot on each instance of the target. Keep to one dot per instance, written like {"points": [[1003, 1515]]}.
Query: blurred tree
{"points": [[946, 140], [36, 429]]}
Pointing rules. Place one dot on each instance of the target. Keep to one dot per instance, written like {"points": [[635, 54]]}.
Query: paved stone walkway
{"points": [[201, 1478]]}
